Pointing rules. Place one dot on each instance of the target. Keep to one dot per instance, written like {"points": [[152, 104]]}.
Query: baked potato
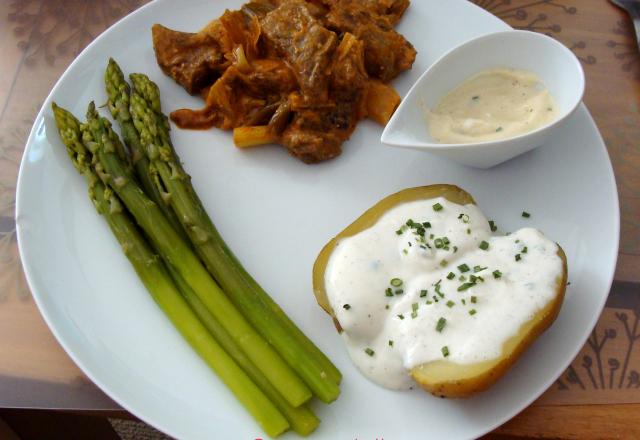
{"points": [[442, 377]]}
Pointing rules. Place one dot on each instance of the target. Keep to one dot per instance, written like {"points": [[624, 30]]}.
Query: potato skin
{"points": [[471, 378], [479, 377]]}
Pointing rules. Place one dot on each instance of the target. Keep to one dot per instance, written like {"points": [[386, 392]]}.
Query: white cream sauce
{"points": [[493, 104], [361, 268]]}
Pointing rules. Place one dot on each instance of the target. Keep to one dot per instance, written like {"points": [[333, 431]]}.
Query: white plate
{"points": [[276, 213]]}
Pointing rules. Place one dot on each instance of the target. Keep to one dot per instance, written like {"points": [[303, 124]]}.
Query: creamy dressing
{"points": [[376, 282], [493, 104]]}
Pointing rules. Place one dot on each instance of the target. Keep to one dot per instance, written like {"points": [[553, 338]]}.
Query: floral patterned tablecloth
{"points": [[38, 40]]}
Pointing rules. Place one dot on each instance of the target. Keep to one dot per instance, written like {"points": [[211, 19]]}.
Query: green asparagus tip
{"points": [[118, 91], [114, 74], [64, 118], [69, 129], [147, 89], [143, 119]]}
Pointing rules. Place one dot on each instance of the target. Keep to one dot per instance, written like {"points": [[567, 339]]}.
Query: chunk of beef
{"points": [[387, 53], [293, 33], [390, 10], [317, 132], [193, 60], [241, 97], [258, 8], [347, 85]]}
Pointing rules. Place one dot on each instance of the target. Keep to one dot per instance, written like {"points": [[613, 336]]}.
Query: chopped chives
{"points": [[474, 299], [463, 301], [451, 276], [497, 274], [445, 351], [437, 207], [455, 249], [429, 302], [440, 325], [472, 312], [525, 214], [399, 291], [426, 225], [524, 250], [450, 304], [444, 263], [518, 257], [386, 306], [469, 231], [414, 306], [390, 343], [396, 282], [463, 268], [388, 292], [401, 316], [462, 278], [423, 293], [346, 306], [465, 286], [493, 226], [414, 314], [477, 269], [369, 351], [484, 245]]}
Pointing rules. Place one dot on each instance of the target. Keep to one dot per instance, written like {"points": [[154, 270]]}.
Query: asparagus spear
{"points": [[301, 354], [118, 92], [302, 419], [150, 92], [100, 139], [158, 282]]}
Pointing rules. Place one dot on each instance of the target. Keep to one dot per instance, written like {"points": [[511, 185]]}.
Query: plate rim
{"points": [[22, 235]]}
